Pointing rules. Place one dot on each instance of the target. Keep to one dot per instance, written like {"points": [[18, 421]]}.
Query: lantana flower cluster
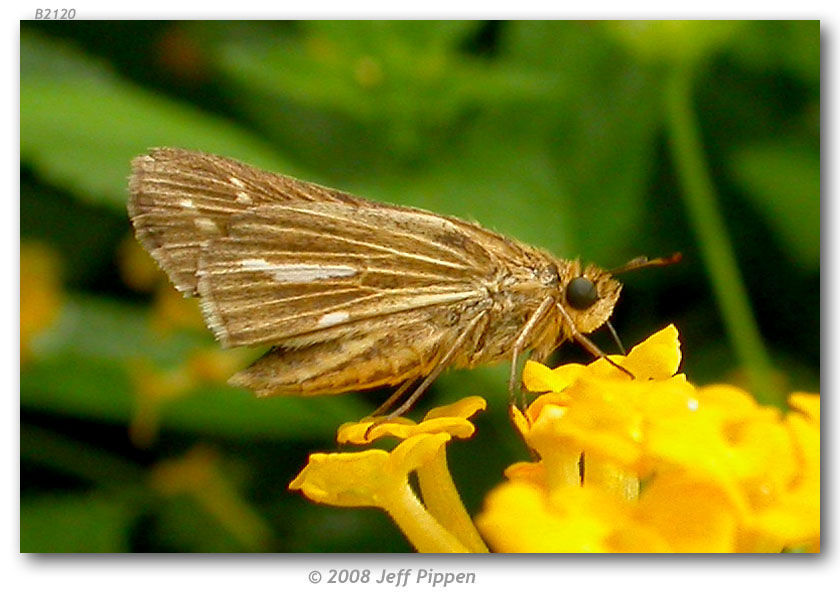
{"points": [[650, 463]]}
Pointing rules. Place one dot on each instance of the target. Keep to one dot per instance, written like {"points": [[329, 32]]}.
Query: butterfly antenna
{"points": [[643, 261]]}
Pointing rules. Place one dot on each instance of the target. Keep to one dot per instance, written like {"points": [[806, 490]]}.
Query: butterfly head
{"points": [[588, 295]]}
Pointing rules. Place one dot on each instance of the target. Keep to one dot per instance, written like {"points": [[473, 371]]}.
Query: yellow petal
{"points": [[462, 409], [363, 432], [658, 357], [533, 473], [366, 478], [538, 378], [790, 518], [551, 398], [516, 518], [451, 419], [692, 515], [603, 369], [520, 421], [565, 375], [346, 479], [416, 451], [729, 403], [520, 517], [809, 404], [599, 418]]}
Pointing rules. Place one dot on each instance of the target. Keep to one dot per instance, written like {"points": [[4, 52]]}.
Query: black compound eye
{"points": [[581, 293]]}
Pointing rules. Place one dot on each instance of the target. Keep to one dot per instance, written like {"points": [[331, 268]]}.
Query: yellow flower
{"points": [[137, 267], [198, 475], [787, 512], [653, 464], [153, 389], [378, 478], [40, 293], [521, 517], [641, 463]]}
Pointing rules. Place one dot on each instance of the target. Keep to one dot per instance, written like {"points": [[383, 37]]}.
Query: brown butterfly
{"points": [[353, 294]]}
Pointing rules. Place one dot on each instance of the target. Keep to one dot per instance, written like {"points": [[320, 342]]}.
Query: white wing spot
{"points": [[297, 273], [236, 182], [187, 203], [243, 197], [333, 318], [206, 225], [255, 264]]}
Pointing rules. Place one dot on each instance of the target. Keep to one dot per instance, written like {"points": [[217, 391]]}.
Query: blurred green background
{"points": [[579, 137]]}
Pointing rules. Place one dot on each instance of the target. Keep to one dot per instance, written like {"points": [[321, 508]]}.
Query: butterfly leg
{"points": [[392, 399], [521, 344], [444, 362], [587, 343]]}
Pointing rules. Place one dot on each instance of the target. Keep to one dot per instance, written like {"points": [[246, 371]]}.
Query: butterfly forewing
{"points": [[282, 262]]}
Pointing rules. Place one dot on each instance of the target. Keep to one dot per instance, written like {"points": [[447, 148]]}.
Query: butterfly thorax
{"points": [[517, 291]]}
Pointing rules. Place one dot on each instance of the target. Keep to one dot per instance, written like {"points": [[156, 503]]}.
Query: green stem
{"points": [[702, 206]]}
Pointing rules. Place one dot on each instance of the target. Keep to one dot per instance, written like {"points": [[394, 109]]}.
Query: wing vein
{"points": [[357, 242], [393, 232]]}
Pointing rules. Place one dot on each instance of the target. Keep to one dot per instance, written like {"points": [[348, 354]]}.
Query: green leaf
{"points": [[81, 460], [80, 387], [598, 133], [104, 391], [92, 522], [80, 125], [237, 413], [83, 363], [398, 86], [90, 327], [792, 47], [182, 526], [84, 249]]}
